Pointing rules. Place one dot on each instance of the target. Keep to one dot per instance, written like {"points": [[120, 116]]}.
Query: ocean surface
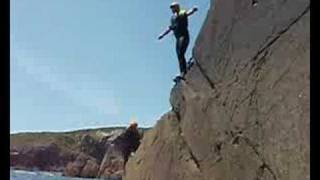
{"points": [[39, 175]]}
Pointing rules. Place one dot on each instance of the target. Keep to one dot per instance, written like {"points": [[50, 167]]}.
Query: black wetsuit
{"points": [[179, 25]]}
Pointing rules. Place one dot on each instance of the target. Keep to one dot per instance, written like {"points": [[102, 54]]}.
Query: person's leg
{"points": [[181, 46], [184, 47], [125, 159], [178, 47]]}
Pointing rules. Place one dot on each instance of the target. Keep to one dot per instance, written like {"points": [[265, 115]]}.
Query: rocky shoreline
{"points": [[88, 154]]}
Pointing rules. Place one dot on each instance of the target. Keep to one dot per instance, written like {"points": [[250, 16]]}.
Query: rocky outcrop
{"points": [[83, 166], [40, 157], [116, 147], [102, 156], [112, 164], [90, 146], [243, 111], [118, 151]]}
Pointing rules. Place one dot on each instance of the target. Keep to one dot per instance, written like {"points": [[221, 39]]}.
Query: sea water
{"points": [[39, 175]]}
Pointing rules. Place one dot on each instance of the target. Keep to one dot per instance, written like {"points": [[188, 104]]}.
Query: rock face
{"points": [[90, 156], [83, 166], [92, 147], [116, 147], [42, 157], [118, 152], [243, 111]]}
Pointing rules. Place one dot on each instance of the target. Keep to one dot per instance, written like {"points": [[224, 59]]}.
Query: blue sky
{"points": [[82, 64]]}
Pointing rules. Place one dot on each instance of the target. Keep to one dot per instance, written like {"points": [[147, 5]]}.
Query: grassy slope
{"points": [[65, 140]]}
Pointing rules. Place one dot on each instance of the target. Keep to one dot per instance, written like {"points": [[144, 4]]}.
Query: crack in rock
{"points": [[281, 76], [192, 156], [236, 137], [278, 35], [264, 164], [261, 171], [204, 74]]}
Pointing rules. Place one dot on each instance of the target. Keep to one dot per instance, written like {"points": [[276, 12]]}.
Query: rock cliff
{"points": [[86, 153], [243, 111]]}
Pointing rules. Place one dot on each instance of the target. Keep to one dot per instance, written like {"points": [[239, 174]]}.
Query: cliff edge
{"points": [[244, 110]]}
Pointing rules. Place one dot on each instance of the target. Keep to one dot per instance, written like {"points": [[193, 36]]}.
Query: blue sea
{"points": [[39, 175]]}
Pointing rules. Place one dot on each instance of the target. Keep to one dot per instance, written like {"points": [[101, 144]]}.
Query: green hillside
{"points": [[62, 139]]}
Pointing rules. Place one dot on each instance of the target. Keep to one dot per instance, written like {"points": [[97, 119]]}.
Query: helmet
{"points": [[173, 4], [133, 123]]}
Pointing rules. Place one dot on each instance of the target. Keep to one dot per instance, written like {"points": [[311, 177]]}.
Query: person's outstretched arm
{"points": [[164, 33], [191, 11]]}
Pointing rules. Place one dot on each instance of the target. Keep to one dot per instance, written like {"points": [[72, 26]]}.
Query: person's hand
{"points": [[195, 8], [160, 37]]}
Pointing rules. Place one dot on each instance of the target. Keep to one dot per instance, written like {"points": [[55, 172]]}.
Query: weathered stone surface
{"points": [[163, 154], [83, 166], [112, 164], [46, 157], [100, 156], [92, 147], [116, 146], [90, 169], [118, 151], [243, 111]]}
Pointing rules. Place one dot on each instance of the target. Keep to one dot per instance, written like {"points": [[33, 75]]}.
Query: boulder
{"points": [[83, 166]]}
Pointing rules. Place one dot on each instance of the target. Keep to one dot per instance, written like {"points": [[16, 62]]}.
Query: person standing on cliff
{"points": [[132, 138], [179, 26]]}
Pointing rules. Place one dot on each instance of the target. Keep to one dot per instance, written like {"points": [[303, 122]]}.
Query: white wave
{"points": [[25, 172]]}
